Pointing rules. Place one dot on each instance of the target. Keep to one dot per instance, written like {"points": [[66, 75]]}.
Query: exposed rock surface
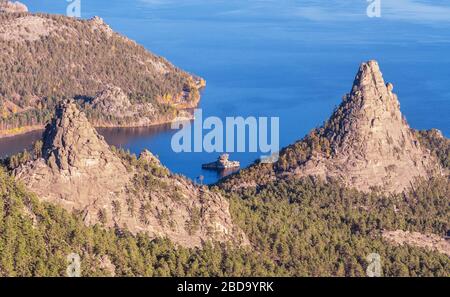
{"points": [[112, 101], [371, 142], [12, 7], [148, 157], [27, 28], [428, 241], [114, 106], [80, 172], [99, 24]]}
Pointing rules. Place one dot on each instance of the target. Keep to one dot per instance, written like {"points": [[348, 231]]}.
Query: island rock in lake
{"points": [[80, 172], [222, 163]]}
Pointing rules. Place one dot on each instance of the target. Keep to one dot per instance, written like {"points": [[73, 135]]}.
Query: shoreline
{"points": [[22, 130], [200, 84], [29, 129]]}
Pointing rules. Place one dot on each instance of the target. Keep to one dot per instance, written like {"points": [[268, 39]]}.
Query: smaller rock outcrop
{"points": [[12, 7], [428, 241], [148, 157], [112, 101], [99, 24], [112, 107]]}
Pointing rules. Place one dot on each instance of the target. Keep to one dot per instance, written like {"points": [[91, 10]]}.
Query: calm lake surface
{"points": [[288, 59]]}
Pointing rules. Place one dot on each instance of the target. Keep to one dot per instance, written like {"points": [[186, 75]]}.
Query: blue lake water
{"points": [[289, 59]]}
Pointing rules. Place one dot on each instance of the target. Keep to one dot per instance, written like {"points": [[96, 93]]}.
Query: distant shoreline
{"points": [[28, 129]]}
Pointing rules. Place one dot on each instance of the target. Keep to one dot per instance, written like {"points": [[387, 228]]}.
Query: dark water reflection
{"points": [[119, 137], [13, 145]]}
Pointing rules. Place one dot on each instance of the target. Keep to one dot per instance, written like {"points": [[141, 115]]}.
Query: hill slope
{"points": [[302, 228], [48, 57]]}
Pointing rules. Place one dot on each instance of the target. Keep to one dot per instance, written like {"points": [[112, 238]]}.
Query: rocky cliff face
{"points": [[80, 172], [111, 107], [371, 142]]}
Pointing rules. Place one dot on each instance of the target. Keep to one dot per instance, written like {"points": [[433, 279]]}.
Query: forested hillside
{"points": [[300, 228], [45, 58], [313, 228]]}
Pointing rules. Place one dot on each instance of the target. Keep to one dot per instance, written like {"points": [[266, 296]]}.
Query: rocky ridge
{"points": [[80, 172], [111, 107]]}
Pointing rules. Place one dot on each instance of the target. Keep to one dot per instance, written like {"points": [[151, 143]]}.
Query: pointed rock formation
{"points": [[367, 143], [72, 146], [80, 172], [78, 168]]}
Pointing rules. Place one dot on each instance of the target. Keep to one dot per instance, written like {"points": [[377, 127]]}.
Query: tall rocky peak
{"points": [[77, 168], [370, 144], [81, 173], [370, 116], [71, 142]]}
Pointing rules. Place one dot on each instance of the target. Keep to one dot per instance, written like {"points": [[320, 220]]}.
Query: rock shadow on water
{"points": [[16, 144], [120, 137]]}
